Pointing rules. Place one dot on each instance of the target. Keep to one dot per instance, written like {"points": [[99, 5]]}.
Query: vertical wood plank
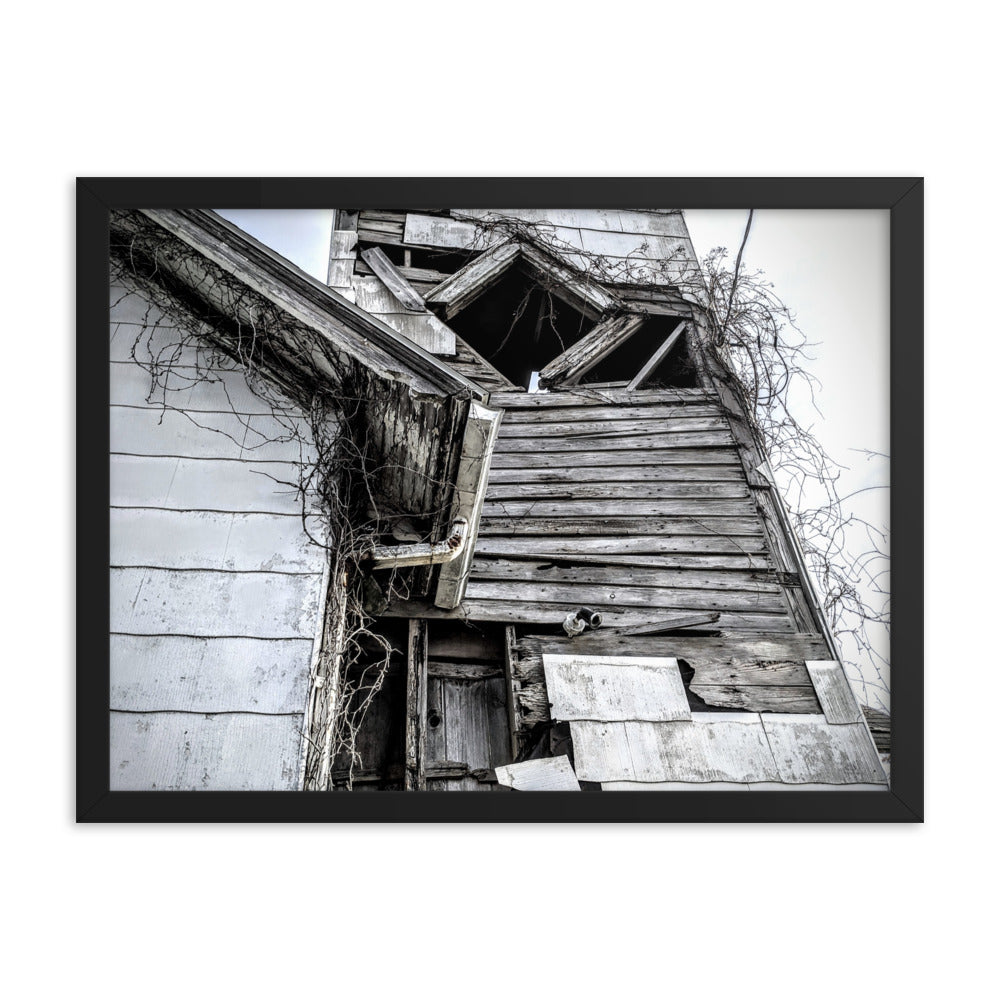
{"points": [[416, 705]]}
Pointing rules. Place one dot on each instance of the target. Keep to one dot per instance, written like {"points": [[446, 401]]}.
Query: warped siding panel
{"points": [[180, 673], [834, 691], [809, 749], [209, 603], [615, 688], [734, 748], [224, 753], [190, 484], [208, 540]]}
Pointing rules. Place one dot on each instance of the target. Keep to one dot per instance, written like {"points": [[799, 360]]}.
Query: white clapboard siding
{"points": [[216, 588], [147, 345], [573, 218], [273, 438], [833, 691], [434, 231], [615, 688], [157, 431], [198, 539], [188, 388], [809, 749], [128, 306], [209, 603], [729, 748], [181, 752], [181, 673], [192, 484], [549, 774]]}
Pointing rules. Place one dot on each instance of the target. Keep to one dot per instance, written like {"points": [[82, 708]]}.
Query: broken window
{"points": [[519, 326]]}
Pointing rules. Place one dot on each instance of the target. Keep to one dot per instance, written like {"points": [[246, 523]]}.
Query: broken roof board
{"points": [[349, 328], [547, 774]]}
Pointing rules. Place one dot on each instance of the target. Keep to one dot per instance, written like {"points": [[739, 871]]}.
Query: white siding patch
{"points": [[179, 673], [550, 774], [834, 692], [615, 688], [435, 231], [207, 603], [735, 749], [808, 749], [224, 753]]}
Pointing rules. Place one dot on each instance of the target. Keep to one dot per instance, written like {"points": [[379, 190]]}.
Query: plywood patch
{"points": [[615, 688]]}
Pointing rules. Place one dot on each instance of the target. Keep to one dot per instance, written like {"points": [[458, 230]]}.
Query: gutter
{"points": [[421, 553]]}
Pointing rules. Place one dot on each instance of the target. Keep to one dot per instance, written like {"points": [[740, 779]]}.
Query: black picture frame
{"points": [[903, 197]]}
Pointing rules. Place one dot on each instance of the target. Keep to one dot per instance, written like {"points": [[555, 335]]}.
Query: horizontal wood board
{"points": [[634, 504]]}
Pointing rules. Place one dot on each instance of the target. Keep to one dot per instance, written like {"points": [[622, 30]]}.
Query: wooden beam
{"points": [[513, 713], [467, 502], [468, 283], [416, 705], [577, 360], [386, 271], [658, 355], [670, 624]]}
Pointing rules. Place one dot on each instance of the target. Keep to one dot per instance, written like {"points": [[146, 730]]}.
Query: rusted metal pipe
{"points": [[420, 553]]}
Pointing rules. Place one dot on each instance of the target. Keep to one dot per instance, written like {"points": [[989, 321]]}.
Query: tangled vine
{"points": [[187, 338], [754, 339]]}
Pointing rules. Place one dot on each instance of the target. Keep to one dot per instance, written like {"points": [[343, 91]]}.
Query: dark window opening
{"points": [[393, 251], [443, 261], [519, 327], [695, 702], [677, 370], [628, 359]]}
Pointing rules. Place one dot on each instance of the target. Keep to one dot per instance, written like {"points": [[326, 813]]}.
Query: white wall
{"points": [[216, 589]]}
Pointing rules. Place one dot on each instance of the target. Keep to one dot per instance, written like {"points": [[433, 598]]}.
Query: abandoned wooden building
{"points": [[483, 512]]}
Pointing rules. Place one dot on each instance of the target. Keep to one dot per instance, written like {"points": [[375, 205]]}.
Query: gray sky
{"points": [[831, 267]]}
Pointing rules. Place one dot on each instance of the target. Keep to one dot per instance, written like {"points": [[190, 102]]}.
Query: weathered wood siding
{"points": [[636, 506], [614, 246], [216, 588]]}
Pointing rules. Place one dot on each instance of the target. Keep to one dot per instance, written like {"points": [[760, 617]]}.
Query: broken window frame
{"points": [[466, 285], [569, 367]]}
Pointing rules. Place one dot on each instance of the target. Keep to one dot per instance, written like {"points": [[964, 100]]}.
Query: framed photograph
{"points": [[556, 496]]}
